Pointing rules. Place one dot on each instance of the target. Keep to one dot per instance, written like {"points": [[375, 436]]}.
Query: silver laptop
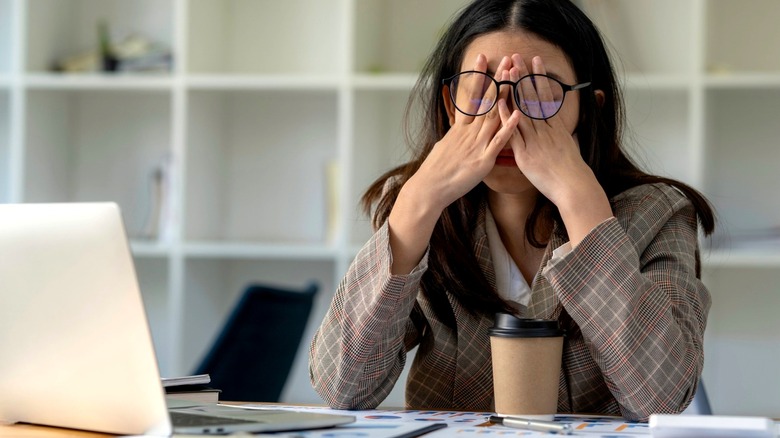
{"points": [[75, 346]]}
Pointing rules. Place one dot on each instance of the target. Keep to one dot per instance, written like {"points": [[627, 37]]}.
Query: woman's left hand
{"points": [[549, 156]]}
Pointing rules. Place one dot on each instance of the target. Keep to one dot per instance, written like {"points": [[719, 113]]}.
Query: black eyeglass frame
{"points": [[566, 88]]}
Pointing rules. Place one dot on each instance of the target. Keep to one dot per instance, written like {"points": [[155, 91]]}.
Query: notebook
{"points": [[76, 346]]}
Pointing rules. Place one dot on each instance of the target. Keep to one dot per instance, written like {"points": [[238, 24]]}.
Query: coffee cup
{"points": [[526, 356]]}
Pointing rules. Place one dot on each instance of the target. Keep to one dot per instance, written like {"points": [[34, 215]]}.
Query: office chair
{"points": [[700, 405], [252, 356]]}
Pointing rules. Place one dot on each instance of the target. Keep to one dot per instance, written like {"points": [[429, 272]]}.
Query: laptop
{"points": [[75, 346]]}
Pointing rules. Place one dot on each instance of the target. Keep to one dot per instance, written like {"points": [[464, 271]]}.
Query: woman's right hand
{"points": [[455, 165], [468, 151]]}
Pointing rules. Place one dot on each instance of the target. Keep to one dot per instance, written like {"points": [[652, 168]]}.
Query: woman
{"points": [[520, 199]]}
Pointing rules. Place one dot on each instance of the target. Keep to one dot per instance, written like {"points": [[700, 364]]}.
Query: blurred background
{"points": [[238, 136]]}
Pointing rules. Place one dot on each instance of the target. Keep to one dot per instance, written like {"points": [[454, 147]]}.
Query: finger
{"points": [[492, 93], [504, 113], [544, 86], [514, 76], [503, 74], [493, 121], [504, 65], [518, 62], [502, 95], [507, 116], [469, 92], [508, 130], [527, 127], [527, 97]]}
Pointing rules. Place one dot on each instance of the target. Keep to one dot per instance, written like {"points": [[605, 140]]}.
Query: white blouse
{"points": [[510, 283]]}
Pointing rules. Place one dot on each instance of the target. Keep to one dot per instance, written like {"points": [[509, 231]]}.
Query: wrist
{"points": [[582, 211], [410, 226], [418, 196]]}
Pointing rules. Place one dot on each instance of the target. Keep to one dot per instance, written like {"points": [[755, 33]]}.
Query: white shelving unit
{"points": [[277, 115], [701, 86]]}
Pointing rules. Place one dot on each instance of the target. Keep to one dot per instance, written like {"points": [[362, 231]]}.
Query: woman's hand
{"points": [[549, 156], [467, 153], [455, 165]]}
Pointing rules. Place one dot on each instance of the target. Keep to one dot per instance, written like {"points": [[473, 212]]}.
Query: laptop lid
{"points": [[76, 350]]}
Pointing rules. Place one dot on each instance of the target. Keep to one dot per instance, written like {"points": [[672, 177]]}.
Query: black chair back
{"points": [[252, 356]]}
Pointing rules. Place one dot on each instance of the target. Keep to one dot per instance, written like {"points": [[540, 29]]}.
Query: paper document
{"points": [[468, 424]]}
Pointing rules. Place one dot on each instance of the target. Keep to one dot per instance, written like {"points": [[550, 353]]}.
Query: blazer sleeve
{"points": [[360, 348], [632, 286]]}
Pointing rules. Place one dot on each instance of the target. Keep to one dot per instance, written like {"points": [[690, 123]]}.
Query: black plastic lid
{"points": [[510, 326]]}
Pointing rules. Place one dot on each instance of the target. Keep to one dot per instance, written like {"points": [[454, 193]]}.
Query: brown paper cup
{"points": [[526, 372]]}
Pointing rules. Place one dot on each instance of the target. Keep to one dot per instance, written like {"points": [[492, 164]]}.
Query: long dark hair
{"points": [[452, 264]]}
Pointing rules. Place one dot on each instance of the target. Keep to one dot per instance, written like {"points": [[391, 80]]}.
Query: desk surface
{"points": [[371, 421], [463, 424], [28, 430]]}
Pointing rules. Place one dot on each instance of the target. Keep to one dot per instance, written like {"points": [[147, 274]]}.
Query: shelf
{"points": [[149, 248], [57, 29], [657, 81], [97, 81], [387, 81], [743, 81], [226, 250], [290, 82]]}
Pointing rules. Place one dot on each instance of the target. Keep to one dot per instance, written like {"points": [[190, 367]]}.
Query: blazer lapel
{"points": [[544, 302], [474, 374], [481, 247]]}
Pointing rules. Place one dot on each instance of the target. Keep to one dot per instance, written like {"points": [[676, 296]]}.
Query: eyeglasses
{"points": [[539, 97]]}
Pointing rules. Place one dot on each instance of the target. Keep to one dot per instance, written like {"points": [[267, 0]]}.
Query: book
{"points": [[206, 395], [191, 388], [195, 379]]}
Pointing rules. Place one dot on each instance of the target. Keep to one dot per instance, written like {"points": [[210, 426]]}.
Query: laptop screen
{"points": [[76, 347]]}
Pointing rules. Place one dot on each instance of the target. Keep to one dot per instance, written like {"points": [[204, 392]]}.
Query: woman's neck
{"points": [[510, 212]]}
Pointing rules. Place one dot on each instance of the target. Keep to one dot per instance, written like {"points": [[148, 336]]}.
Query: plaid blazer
{"points": [[629, 297]]}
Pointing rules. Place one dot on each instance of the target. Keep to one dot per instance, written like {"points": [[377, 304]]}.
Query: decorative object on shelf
{"points": [[108, 59], [135, 53], [156, 222]]}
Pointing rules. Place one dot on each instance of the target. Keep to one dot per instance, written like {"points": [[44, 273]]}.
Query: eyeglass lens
{"points": [[475, 93]]}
